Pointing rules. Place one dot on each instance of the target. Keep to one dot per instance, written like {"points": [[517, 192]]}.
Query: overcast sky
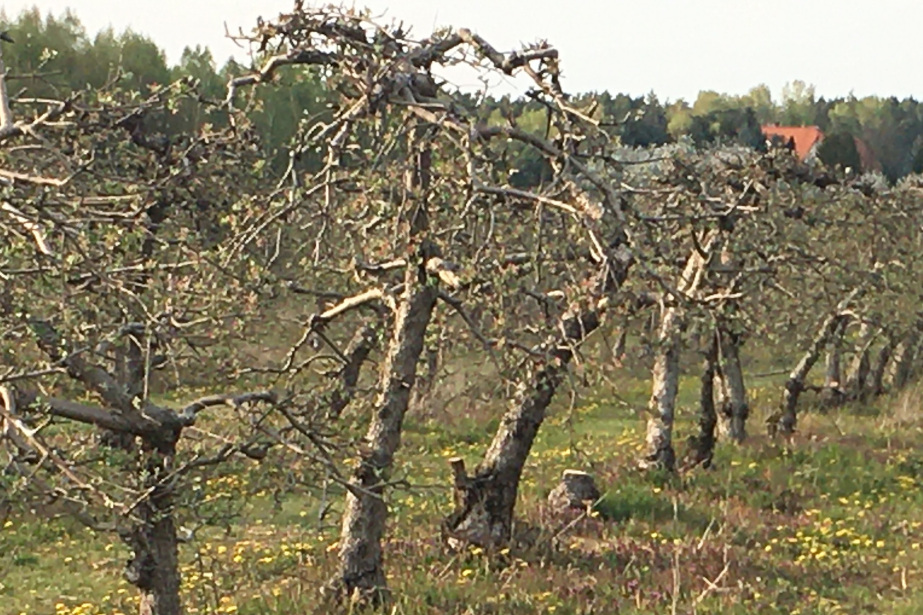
{"points": [[673, 47]]}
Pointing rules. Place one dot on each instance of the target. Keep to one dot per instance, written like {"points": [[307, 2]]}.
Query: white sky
{"points": [[673, 47]]}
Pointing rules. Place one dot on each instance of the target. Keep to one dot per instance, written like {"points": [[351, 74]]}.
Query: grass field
{"points": [[831, 522]]}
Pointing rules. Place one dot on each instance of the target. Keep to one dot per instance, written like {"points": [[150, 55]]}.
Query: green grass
{"points": [[831, 522]]}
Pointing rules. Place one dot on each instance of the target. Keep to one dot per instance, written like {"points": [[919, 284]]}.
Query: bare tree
{"points": [[105, 279], [448, 235]]}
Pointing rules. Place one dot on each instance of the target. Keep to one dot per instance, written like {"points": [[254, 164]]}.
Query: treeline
{"points": [[56, 54]]}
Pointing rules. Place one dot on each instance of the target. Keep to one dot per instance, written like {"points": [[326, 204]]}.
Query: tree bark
{"points": [[833, 393], [734, 408], [875, 385], [6, 117], [832, 372], [703, 444], [795, 384], [666, 372], [860, 368], [662, 404], [361, 572], [485, 501], [154, 566]]}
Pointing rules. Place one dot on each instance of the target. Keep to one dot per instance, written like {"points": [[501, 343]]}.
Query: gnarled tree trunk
{"points": [[361, 572], [361, 568], [860, 368], [703, 444], [154, 566], [734, 407], [660, 452], [484, 501], [795, 384]]}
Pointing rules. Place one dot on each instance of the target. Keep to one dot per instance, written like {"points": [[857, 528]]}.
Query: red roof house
{"points": [[805, 138]]}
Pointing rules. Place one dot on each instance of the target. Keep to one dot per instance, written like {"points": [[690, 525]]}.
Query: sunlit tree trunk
{"points": [[665, 375], [833, 373], [361, 570], [795, 384], [485, 501], [859, 369], [666, 372]]}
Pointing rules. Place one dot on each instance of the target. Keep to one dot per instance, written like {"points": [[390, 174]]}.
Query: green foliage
{"points": [[646, 125], [838, 149], [58, 56], [799, 105]]}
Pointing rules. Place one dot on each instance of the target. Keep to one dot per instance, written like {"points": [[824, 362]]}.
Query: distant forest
{"points": [[58, 54]]}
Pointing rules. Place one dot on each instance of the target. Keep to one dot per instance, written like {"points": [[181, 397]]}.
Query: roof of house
{"points": [[805, 136]]}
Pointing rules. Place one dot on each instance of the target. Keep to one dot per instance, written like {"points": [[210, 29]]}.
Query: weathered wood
{"points": [[486, 515], [735, 407], [860, 367], [703, 444], [795, 384], [485, 501], [361, 572], [666, 371]]}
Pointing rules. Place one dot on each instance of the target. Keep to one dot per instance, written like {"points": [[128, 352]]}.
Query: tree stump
{"points": [[577, 490]]}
